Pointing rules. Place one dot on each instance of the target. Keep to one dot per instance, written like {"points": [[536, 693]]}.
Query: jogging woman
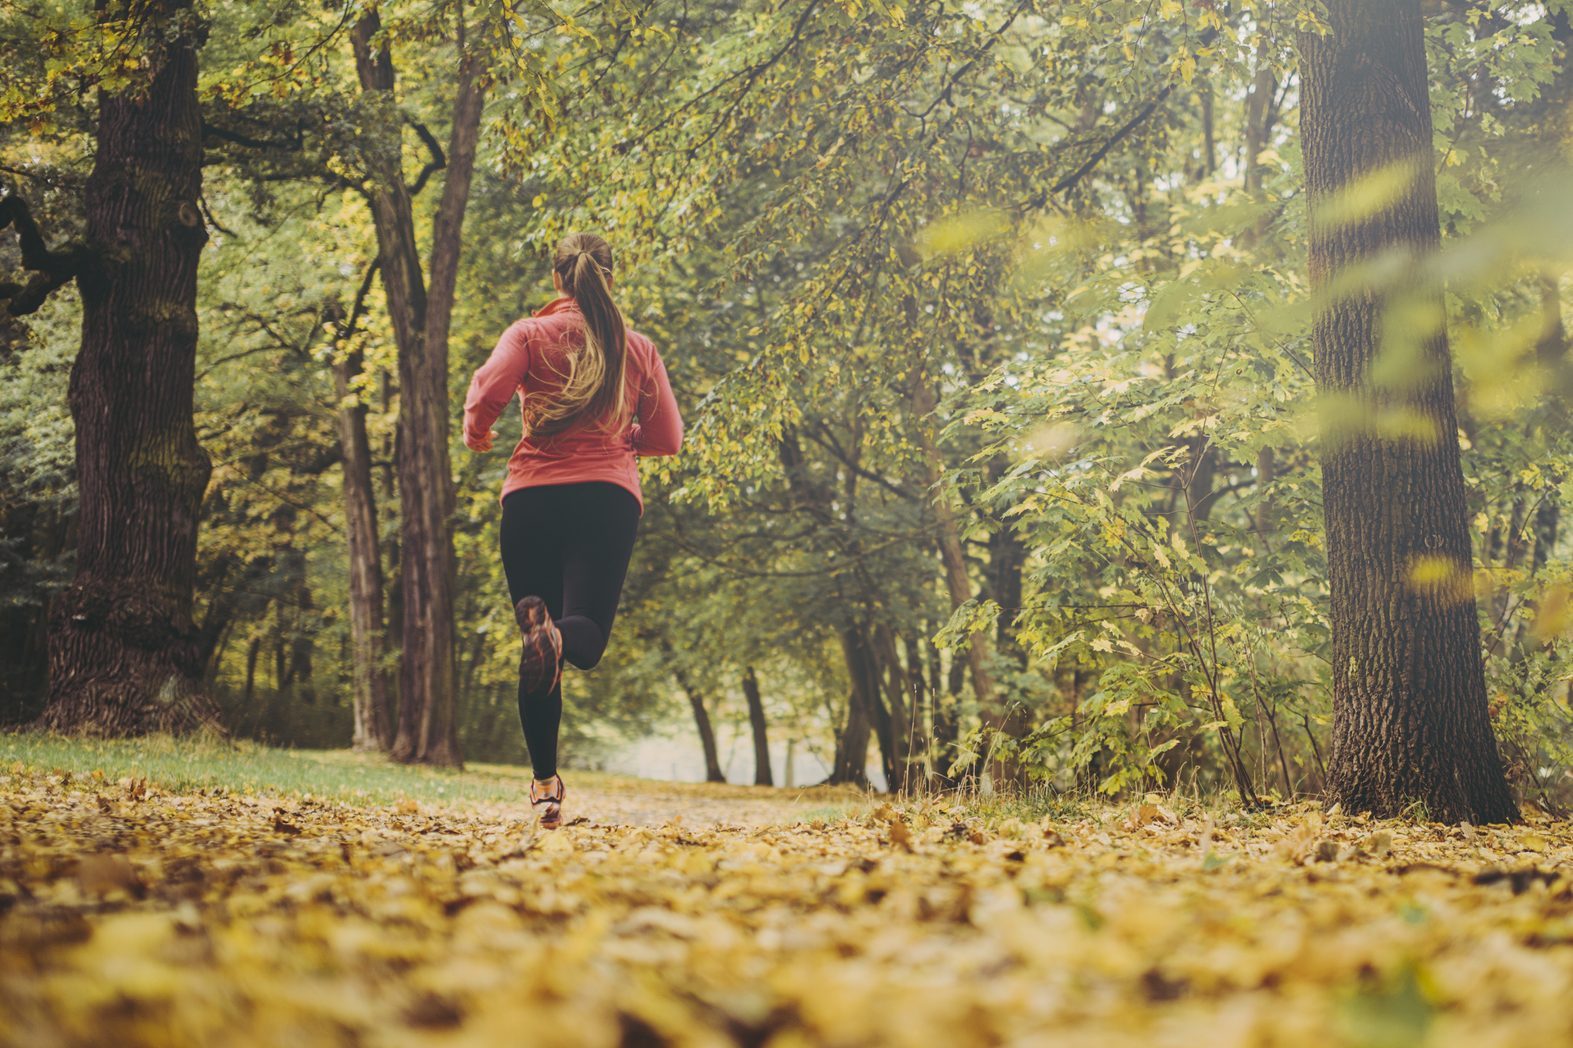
{"points": [[594, 395]]}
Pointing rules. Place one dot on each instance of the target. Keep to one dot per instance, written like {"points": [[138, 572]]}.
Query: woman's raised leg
{"points": [[595, 554], [532, 560]]}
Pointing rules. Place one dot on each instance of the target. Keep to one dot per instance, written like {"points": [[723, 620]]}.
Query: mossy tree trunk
{"points": [[124, 655]]}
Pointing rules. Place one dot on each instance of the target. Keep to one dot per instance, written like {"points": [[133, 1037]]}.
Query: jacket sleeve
{"points": [[659, 430], [495, 383]]}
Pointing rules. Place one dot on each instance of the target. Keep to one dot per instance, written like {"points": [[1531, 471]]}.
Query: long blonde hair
{"points": [[595, 376]]}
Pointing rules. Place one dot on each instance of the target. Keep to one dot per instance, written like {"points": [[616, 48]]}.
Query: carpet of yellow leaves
{"points": [[130, 915]]}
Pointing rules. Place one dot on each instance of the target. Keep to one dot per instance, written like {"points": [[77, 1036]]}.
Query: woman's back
{"points": [[533, 359]]}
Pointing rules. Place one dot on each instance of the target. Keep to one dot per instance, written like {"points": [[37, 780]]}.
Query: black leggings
{"points": [[569, 545]]}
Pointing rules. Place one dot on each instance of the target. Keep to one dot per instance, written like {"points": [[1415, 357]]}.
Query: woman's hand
{"points": [[484, 444]]}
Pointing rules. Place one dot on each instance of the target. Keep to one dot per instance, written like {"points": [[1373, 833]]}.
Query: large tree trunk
{"points": [[1410, 722], [756, 720], [124, 655], [371, 697], [427, 723]]}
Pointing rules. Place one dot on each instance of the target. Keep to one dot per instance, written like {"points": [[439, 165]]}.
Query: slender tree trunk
{"points": [[1551, 351], [1410, 721], [249, 695], [947, 717], [863, 669], [1258, 125], [899, 760], [371, 697], [427, 722], [303, 649], [851, 758], [756, 720], [1258, 119], [470, 663], [124, 655], [957, 582], [24, 633], [696, 700], [919, 726]]}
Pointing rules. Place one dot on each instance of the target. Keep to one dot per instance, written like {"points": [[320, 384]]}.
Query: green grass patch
{"points": [[208, 763]]}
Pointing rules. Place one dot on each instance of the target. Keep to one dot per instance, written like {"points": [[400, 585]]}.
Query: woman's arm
{"points": [[659, 430], [494, 385]]}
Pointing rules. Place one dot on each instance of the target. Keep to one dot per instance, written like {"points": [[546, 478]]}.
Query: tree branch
{"points": [[358, 310], [52, 269], [1069, 181], [1085, 168], [438, 161], [290, 144]]}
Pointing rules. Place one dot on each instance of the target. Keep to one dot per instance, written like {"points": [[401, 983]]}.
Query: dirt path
{"points": [[612, 801]]}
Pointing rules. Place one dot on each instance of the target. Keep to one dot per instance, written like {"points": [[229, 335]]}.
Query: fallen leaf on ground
{"points": [[244, 919]]}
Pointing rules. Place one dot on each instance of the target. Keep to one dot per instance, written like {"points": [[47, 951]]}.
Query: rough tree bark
{"points": [[1410, 721], [756, 720], [420, 314], [125, 657]]}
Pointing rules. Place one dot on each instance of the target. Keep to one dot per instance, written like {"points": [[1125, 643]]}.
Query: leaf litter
{"points": [[131, 915]]}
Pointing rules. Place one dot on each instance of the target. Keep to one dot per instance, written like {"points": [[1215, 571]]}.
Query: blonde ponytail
{"points": [[595, 377]]}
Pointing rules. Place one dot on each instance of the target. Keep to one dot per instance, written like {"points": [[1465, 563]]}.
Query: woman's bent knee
{"points": [[585, 660]]}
